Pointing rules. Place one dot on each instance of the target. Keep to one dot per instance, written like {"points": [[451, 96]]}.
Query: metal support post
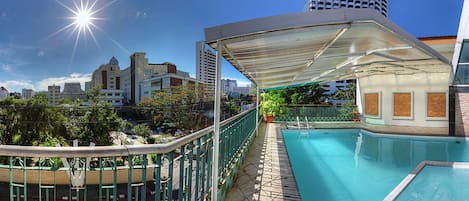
{"points": [[216, 123]]}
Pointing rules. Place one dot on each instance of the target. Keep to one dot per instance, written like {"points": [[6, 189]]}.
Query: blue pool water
{"points": [[359, 165], [440, 183]]}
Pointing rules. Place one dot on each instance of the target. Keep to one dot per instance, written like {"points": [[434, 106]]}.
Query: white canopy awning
{"points": [[322, 46]]}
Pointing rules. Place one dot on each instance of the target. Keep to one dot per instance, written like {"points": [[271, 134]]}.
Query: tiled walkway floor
{"points": [[266, 173]]}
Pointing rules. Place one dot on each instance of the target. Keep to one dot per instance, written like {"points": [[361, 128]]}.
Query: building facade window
{"points": [[436, 105], [402, 105], [372, 104]]}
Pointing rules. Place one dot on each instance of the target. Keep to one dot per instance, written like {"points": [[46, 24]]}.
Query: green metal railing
{"points": [[316, 113], [179, 170]]}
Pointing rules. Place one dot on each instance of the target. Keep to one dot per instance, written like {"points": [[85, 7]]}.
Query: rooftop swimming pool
{"points": [[438, 183], [352, 164]]}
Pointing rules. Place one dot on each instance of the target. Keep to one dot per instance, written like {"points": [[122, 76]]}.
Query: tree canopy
{"points": [[35, 122]]}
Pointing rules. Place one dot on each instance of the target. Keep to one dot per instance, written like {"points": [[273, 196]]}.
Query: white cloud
{"points": [[74, 77], [7, 67], [240, 82], [17, 85], [141, 14]]}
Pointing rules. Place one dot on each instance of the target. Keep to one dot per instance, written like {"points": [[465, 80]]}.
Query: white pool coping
{"points": [[410, 177]]}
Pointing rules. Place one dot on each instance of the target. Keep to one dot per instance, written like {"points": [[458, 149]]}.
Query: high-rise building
{"points": [[88, 86], [379, 5], [228, 85], [15, 95], [4, 92], [164, 82], [142, 77], [205, 67], [133, 76], [73, 91], [54, 94], [242, 90], [108, 78], [27, 93]]}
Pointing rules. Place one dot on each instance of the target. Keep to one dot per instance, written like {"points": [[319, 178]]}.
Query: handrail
{"points": [[108, 151]]}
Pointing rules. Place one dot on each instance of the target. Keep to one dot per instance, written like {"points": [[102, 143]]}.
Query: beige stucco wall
{"points": [[418, 84]]}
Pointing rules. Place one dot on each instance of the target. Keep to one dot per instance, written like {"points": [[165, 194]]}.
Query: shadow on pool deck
{"points": [[266, 173]]}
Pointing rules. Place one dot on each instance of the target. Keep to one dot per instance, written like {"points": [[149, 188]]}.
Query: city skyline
{"points": [[32, 56]]}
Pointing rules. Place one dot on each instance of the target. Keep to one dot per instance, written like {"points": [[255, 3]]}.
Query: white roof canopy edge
{"points": [[340, 21]]}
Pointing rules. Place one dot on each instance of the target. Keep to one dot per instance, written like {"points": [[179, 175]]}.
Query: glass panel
{"points": [[462, 74], [462, 70], [464, 56]]}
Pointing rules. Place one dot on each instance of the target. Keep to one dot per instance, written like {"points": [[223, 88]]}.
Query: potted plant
{"points": [[271, 105]]}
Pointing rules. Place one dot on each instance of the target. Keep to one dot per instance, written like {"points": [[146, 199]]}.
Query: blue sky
{"points": [[32, 56]]}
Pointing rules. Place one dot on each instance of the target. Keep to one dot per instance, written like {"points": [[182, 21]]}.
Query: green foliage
{"points": [[142, 130], [151, 140], [35, 122], [120, 162], [175, 105], [94, 94], [308, 94], [163, 138], [124, 124], [137, 160], [348, 94], [231, 107], [153, 158], [101, 120], [29, 122], [272, 103]]}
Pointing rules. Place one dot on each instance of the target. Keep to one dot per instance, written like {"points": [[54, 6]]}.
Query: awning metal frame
{"points": [[337, 21]]}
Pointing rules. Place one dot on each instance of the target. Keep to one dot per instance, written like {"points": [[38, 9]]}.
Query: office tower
{"points": [[205, 67], [379, 5]]}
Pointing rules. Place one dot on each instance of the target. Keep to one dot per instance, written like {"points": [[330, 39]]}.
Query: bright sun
{"points": [[83, 18]]}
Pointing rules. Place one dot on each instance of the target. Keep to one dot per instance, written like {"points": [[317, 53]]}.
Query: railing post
{"points": [[144, 177], [114, 170], [129, 177], [10, 159], [216, 123], [197, 169], [189, 172], [100, 193], [158, 178], [257, 110], [181, 174], [25, 190]]}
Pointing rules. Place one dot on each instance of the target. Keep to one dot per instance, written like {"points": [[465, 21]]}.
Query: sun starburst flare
{"points": [[83, 18]]}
